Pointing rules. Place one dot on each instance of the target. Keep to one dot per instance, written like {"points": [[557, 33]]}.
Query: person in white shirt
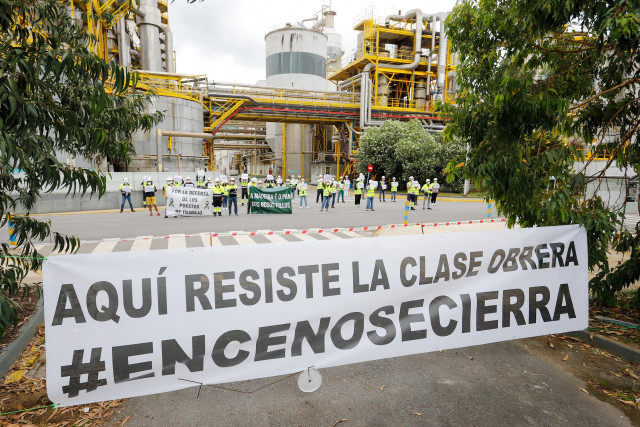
{"points": [[435, 189]]}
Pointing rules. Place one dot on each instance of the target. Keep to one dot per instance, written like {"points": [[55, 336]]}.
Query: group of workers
{"points": [[329, 190]]}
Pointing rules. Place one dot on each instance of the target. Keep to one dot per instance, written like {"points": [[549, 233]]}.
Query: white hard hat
{"points": [[188, 178], [260, 182], [428, 180], [217, 179], [382, 176], [125, 180], [394, 178], [169, 179], [254, 179], [302, 180], [411, 177], [435, 179], [233, 179]]}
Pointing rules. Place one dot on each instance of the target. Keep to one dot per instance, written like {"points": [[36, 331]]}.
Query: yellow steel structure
{"points": [[384, 44]]}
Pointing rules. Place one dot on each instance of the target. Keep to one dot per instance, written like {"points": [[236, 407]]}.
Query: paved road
{"points": [[96, 226], [492, 385]]}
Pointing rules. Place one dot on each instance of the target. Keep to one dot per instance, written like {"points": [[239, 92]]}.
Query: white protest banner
{"points": [[133, 323], [187, 201]]}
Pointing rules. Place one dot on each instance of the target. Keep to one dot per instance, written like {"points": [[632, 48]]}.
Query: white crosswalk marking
{"points": [[331, 236], [105, 246], [352, 234], [244, 240], [206, 239], [304, 237], [274, 238], [142, 243], [145, 243], [177, 241]]}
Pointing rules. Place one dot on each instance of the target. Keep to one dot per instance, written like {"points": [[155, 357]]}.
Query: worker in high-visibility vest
{"points": [[370, 194], [125, 190], [333, 189], [225, 193], [394, 189], [302, 188], [252, 183], [358, 191], [320, 191], [217, 191], [326, 196], [427, 189]]}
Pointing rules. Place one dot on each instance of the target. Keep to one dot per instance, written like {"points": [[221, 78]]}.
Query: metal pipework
{"points": [[124, 51], [442, 56], [168, 46], [149, 21], [417, 42]]}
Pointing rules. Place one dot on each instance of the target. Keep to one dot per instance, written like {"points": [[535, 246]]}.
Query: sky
{"points": [[225, 39]]}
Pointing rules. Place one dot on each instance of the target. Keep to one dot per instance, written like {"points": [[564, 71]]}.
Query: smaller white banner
{"points": [[184, 201]]}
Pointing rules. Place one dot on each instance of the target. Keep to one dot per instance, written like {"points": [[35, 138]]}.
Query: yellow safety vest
{"points": [[370, 191]]}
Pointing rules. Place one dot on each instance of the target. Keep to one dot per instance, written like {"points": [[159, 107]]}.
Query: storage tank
{"points": [[296, 58]]}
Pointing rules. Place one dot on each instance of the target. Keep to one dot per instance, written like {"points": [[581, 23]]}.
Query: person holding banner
{"points": [[244, 186], [189, 184], [383, 188], [303, 193], [217, 197], [232, 194], [125, 190], [340, 190], [164, 193], [294, 185], [326, 196], [426, 190], [347, 185], [394, 189], [150, 196], [370, 194], [333, 190], [320, 190], [252, 183], [225, 192], [358, 191], [435, 189]]}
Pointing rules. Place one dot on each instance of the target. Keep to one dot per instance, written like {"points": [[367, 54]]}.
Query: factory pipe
{"points": [[168, 47]]}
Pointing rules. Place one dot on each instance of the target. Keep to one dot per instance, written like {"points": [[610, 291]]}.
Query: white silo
{"points": [[296, 58], [334, 39]]}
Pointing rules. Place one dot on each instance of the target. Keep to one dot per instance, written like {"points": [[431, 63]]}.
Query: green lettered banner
{"points": [[270, 200]]}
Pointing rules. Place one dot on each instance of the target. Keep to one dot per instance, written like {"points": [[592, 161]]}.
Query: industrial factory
{"points": [[304, 118]]}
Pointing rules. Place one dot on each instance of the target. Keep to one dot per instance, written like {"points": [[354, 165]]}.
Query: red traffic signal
{"points": [[370, 168]]}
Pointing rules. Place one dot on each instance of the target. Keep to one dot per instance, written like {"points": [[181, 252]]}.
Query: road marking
{"points": [[245, 240], [206, 239], [352, 234], [331, 236], [177, 241], [274, 238], [305, 237], [105, 246], [142, 243], [215, 241]]}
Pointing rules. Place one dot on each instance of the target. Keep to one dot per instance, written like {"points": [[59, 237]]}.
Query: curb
{"points": [[609, 345], [13, 350]]}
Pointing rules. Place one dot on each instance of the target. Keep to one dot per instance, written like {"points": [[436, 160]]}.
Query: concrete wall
{"points": [[58, 201]]}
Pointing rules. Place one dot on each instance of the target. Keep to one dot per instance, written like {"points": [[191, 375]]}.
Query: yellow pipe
{"points": [[303, 151], [179, 169], [170, 145], [284, 149], [255, 157]]}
